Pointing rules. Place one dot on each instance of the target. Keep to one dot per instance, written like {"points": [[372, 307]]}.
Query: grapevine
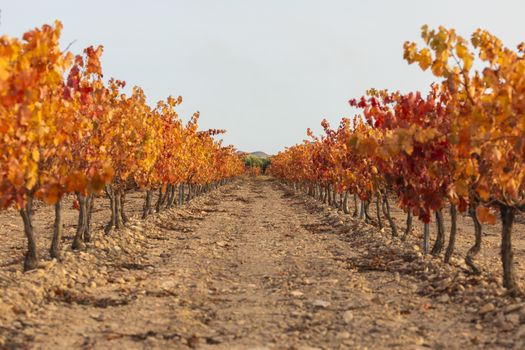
{"points": [[461, 146], [65, 131]]}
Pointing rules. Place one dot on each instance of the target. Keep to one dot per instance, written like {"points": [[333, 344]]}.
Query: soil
{"points": [[251, 265]]}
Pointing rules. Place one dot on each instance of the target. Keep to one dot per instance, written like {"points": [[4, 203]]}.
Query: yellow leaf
{"points": [[438, 68], [35, 155], [464, 55], [471, 168], [32, 175], [425, 59]]}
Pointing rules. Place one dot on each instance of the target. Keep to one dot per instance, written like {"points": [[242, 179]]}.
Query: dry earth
{"points": [[251, 265]]}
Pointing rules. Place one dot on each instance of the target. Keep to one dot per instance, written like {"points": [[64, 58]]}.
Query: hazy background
{"points": [[265, 70]]}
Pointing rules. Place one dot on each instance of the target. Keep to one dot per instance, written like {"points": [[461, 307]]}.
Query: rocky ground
{"points": [[252, 265]]}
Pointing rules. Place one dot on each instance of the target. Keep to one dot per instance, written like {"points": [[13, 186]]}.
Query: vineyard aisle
{"points": [[249, 266]]}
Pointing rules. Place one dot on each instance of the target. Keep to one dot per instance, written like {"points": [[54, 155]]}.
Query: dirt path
{"points": [[249, 266]]}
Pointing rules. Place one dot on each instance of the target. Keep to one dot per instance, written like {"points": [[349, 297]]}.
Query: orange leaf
{"points": [[52, 194], [485, 216]]}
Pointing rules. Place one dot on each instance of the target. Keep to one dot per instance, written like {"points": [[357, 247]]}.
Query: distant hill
{"points": [[259, 154]]}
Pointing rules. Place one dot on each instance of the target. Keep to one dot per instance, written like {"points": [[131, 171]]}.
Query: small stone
{"points": [[507, 327], [513, 319], [500, 319], [97, 317], [152, 343], [348, 316], [320, 303], [444, 298], [297, 303], [444, 284], [397, 277], [296, 293], [419, 341], [412, 286], [489, 307], [343, 335], [513, 308], [193, 341], [522, 315], [520, 333], [376, 299], [129, 278], [168, 285], [49, 264]]}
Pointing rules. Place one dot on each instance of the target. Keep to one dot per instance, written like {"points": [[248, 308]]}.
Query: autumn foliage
{"points": [[459, 146], [65, 130]]}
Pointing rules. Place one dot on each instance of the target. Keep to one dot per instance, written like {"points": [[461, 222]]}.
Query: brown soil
{"points": [[251, 265]]}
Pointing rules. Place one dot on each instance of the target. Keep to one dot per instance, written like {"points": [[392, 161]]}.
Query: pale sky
{"points": [[265, 70]]}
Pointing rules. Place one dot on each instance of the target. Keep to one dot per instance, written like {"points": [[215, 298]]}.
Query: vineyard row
{"points": [[461, 146], [64, 130]]}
